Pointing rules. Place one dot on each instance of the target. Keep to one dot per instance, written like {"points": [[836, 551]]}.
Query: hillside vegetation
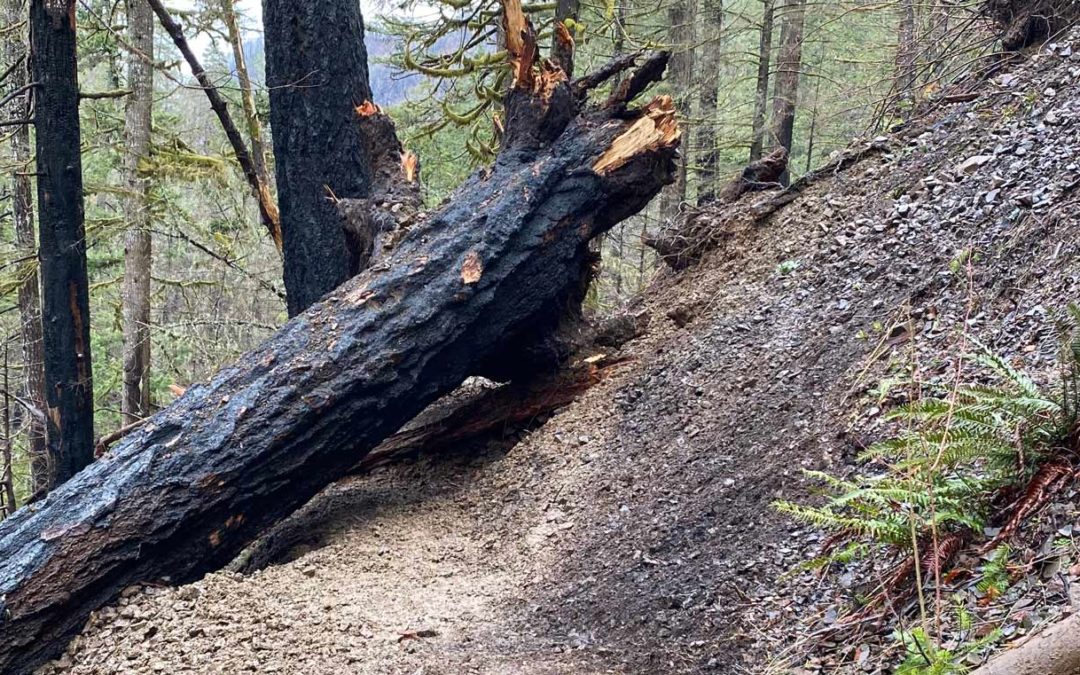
{"points": [[633, 530]]}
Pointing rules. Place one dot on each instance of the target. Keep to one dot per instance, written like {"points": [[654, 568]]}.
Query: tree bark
{"points": [[761, 90], [463, 424], [681, 34], [135, 293], [186, 492], [247, 97], [708, 161], [69, 391], [788, 74], [562, 47], [1054, 651], [906, 52], [316, 69], [29, 296]]}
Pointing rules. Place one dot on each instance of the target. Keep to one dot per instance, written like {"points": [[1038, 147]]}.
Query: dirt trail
{"points": [[632, 531]]}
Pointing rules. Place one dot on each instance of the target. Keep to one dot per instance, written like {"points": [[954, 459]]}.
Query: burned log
{"points": [[458, 424], [185, 493]]}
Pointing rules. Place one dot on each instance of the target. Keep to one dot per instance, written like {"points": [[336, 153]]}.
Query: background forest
{"points": [[183, 274]]}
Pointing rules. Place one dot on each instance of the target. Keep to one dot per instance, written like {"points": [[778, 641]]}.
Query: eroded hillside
{"points": [[632, 532]]}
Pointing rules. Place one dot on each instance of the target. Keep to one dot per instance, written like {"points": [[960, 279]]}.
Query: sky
{"points": [[251, 10]]}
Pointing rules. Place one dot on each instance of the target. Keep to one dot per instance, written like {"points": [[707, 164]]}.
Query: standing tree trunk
{"points": [[761, 90], [937, 39], [247, 98], [69, 391], [135, 401], [906, 53], [788, 71], [26, 242], [712, 21], [316, 69], [681, 37]]}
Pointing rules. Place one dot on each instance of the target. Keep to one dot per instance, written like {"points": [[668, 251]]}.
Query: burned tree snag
{"points": [[186, 492], [69, 394], [374, 225], [562, 46], [317, 72]]}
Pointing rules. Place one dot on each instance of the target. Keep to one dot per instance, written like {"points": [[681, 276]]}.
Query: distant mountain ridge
{"points": [[389, 86]]}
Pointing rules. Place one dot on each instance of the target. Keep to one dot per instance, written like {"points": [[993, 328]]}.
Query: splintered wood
{"points": [[657, 128], [409, 164], [520, 43], [273, 216], [473, 269], [367, 109]]}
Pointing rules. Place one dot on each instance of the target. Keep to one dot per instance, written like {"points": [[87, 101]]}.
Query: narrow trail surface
{"points": [[631, 532]]}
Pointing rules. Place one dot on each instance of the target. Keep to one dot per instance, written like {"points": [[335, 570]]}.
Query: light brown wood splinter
{"points": [[656, 128]]}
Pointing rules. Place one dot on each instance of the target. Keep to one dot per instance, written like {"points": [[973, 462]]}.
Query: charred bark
{"points": [[562, 48], [69, 393], [186, 492], [316, 69], [788, 75], [468, 421]]}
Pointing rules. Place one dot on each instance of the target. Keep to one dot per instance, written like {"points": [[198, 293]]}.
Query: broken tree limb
{"points": [[268, 210], [374, 225], [185, 493]]}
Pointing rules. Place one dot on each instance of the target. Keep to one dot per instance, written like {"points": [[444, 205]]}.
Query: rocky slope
{"points": [[632, 533]]}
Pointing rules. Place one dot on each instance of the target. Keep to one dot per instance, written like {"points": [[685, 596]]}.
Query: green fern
{"points": [[995, 573], [922, 656], [958, 450]]}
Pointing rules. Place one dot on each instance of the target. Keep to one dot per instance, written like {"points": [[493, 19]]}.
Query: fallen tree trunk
{"points": [[508, 407], [463, 424], [185, 493], [1054, 651]]}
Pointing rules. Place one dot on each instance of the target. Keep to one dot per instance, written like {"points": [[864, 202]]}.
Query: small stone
{"points": [[971, 164]]}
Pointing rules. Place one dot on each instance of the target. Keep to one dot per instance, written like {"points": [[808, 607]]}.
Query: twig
{"points": [[103, 443]]}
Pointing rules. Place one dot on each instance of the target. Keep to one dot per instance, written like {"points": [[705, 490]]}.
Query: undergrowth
{"points": [[932, 490]]}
